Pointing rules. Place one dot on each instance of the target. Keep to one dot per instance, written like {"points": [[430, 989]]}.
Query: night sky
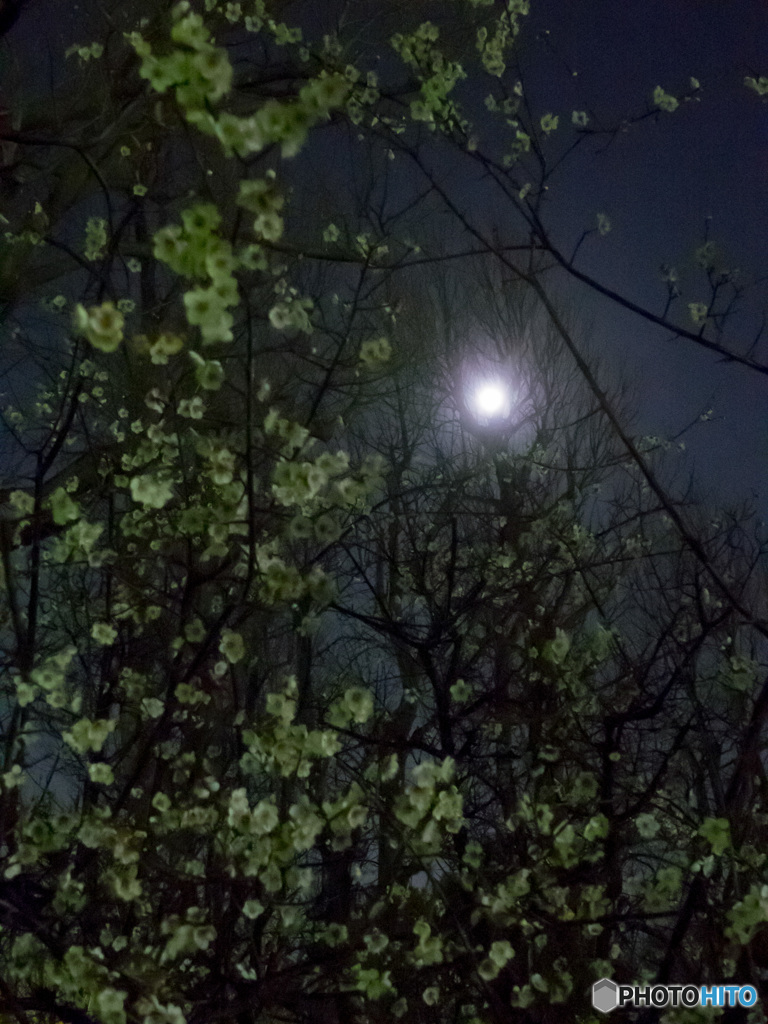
{"points": [[658, 183]]}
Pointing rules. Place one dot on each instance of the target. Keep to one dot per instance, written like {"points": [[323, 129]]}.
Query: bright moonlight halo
{"points": [[490, 399]]}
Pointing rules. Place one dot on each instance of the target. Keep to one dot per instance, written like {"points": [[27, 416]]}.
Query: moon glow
{"points": [[490, 400]]}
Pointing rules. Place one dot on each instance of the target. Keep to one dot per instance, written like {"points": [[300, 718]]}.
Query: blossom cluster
{"points": [[101, 325]]}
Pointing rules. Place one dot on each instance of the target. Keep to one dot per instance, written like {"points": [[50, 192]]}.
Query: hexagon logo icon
{"points": [[605, 995]]}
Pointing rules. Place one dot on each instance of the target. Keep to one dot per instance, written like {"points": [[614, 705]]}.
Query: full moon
{"points": [[490, 400]]}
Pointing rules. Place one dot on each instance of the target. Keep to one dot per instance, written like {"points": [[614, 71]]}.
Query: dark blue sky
{"points": [[658, 182]]}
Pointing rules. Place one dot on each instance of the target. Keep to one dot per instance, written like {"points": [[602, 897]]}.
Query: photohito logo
{"points": [[607, 995]]}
